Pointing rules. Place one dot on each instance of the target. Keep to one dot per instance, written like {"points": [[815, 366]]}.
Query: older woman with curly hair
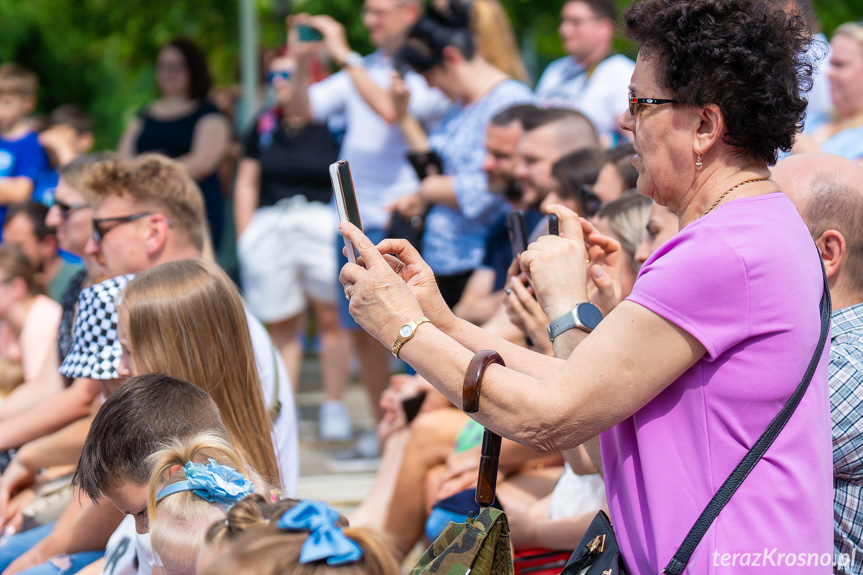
{"points": [[683, 377]]}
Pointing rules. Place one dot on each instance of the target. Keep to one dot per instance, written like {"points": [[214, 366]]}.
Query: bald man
{"points": [[828, 193]]}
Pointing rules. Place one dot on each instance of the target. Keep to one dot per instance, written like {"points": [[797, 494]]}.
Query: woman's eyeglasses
{"points": [[283, 75], [635, 102], [65, 209]]}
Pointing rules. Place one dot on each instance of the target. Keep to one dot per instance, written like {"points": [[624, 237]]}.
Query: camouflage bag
{"points": [[481, 545]]}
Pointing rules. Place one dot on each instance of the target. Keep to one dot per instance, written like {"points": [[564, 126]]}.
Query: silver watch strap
{"points": [[565, 322]]}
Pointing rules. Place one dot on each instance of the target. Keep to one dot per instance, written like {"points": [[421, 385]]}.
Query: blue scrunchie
{"points": [[212, 482], [326, 540]]}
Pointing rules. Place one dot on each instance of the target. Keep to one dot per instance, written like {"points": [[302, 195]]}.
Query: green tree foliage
{"points": [[100, 54]]}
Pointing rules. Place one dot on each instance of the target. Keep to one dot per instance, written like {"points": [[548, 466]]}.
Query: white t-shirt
{"points": [[285, 437], [376, 150], [127, 551], [600, 93]]}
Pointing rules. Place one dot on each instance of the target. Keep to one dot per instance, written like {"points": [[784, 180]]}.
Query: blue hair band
{"points": [[326, 540], [212, 482]]}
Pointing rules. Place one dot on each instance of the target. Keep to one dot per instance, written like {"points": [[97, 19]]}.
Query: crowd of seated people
{"points": [[147, 398]]}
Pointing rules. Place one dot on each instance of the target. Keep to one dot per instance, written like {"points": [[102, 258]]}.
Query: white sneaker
{"points": [[334, 423], [364, 456]]}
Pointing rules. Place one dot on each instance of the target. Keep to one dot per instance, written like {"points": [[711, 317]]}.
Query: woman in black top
{"points": [[184, 125], [286, 238]]}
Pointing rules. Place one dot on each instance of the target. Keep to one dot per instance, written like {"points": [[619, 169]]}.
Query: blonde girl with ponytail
{"points": [[194, 483]]}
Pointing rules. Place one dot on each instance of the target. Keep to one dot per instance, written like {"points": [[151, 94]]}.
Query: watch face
{"points": [[406, 331], [589, 315]]}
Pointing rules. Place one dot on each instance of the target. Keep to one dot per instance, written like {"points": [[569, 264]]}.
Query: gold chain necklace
{"points": [[722, 197]]}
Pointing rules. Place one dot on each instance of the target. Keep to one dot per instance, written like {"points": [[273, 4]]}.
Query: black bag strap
{"points": [[687, 548]]}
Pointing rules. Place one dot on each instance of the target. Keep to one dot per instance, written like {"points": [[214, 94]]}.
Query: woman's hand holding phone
{"points": [[556, 265], [405, 262]]}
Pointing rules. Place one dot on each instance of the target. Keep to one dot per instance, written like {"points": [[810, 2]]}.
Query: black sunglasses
{"points": [[635, 102], [99, 230], [66, 208]]}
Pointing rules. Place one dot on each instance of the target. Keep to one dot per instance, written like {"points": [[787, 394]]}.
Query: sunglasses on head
{"points": [[283, 75]]}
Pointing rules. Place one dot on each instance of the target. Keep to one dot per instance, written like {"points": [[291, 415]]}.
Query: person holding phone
{"points": [[460, 206], [285, 243], [375, 148], [725, 324]]}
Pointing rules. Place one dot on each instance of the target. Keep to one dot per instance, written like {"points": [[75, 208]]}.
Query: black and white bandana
{"points": [[95, 349]]}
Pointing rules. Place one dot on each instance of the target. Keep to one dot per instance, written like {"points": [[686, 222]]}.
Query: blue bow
{"points": [[326, 540], [212, 482]]}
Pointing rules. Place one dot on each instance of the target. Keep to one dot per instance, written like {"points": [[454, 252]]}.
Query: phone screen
{"points": [[346, 200], [517, 232], [308, 34], [349, 194]]}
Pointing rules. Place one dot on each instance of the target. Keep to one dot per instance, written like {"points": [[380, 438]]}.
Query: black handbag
{"points": [[598, 552]]}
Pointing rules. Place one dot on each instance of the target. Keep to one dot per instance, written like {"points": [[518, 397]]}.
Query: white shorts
{"points": [[287, 257]]}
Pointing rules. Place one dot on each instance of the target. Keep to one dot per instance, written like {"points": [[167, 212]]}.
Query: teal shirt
{"points": [[60, 283]]}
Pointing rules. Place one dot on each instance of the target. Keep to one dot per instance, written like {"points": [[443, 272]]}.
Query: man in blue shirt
{"points": [[828, 193], [22, 158]]}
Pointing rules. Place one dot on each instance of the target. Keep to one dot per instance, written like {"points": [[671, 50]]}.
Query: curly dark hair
{"points": [[745, 56]]}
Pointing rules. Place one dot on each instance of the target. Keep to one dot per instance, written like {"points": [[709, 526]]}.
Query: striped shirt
{"points": [[846, 406]]}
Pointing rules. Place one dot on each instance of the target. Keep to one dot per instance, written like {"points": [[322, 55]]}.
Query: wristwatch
{"points": [[584, 316], [353, 60], [406, 332]]}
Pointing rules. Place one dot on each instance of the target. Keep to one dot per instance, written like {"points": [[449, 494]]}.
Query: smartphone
{"points": [[553, 225], [308, 34], [517, 230], [412, 405], [346, 200]]}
